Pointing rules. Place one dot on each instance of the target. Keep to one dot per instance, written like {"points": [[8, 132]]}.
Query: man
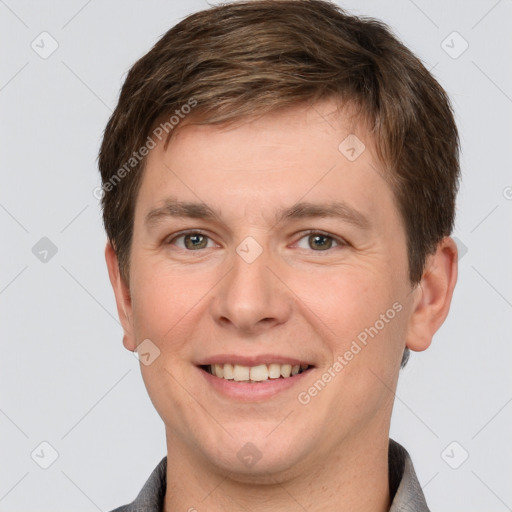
{"points": [[279, 182]]}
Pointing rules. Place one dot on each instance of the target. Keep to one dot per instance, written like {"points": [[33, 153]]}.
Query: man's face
{"points": [[267, 280]]}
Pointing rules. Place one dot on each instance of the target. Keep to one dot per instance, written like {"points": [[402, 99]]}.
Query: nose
{"points": [[251, 298]]}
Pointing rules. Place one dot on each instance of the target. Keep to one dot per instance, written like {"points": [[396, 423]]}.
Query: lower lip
{"points": [[247, 391]]}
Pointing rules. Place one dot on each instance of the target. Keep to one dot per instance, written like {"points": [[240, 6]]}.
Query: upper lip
{"points": [[252, 360]]}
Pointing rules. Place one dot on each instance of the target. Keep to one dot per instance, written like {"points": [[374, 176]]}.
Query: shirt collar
{"points": [[403, 482]]}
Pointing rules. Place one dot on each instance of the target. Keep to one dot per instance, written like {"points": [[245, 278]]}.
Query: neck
{"points": [[354, 478]]}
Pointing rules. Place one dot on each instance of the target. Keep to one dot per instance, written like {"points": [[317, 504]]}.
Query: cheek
{"points": [[347, 301], [163, 302], [361, 318], [366, 320]]}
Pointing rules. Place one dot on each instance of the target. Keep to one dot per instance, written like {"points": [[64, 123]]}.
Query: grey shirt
{"points": [[403, 486]]}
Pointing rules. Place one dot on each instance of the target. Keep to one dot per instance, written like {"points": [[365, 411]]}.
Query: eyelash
{"points": [[339, 241]]}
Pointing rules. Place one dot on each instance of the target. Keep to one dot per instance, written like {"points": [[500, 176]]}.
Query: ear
{"points": [[123, 298], [433, 295]]}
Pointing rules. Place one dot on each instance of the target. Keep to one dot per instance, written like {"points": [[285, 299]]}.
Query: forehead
{"points": [[300, 133], [310, 153]]}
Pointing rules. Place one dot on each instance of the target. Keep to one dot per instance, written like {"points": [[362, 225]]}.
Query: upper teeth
{"points": [[255, 373]]}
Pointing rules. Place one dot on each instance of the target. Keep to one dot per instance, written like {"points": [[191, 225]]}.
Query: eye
{"points": [[192, 241], [319, 241]]}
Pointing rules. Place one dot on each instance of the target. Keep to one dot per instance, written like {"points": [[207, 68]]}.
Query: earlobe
{"points": [[122, 295], [433, 295]]}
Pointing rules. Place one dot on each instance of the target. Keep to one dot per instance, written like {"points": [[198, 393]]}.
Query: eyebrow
{"points": [[335, 209], [302, 210], [175, 208]]}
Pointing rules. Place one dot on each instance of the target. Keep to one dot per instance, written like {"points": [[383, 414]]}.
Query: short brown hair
{"points": [[253, 57]]}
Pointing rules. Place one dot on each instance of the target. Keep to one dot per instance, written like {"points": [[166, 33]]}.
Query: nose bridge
{"points": [[251, 297]]}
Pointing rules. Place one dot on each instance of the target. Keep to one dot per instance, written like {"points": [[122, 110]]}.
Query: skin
{"points": [[293, 300]]}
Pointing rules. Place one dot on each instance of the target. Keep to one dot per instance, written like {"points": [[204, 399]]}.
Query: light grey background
{"points": [[65, 377]]}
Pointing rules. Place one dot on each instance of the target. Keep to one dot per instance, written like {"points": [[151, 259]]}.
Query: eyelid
{"points": [[171, 238], [340, 241]]}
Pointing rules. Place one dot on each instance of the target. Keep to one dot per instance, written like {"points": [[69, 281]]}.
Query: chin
{"points": [[257, 456]]}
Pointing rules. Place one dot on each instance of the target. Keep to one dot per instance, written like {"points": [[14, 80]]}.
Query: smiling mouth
{"points": [[255, 374]]}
